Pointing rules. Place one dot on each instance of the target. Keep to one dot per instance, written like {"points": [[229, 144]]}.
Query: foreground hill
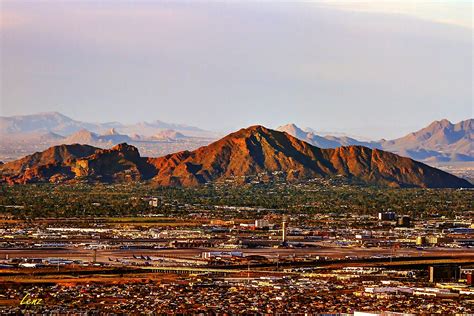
{"points": [[76, 162], [247, 153], [260, 150]]}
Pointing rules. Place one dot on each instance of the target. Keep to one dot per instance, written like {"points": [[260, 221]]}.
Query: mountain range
{"points": [[441, 141], [252, 153], [441, 144], [22, 135], [328, 141], [63, 125]]}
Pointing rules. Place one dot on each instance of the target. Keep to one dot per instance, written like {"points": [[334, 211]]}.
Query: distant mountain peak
{"points": [[52, 113], [294, 131], [289, 126], [439, 141], [83, 133], [443, 123], [111, 132], [169, 134]]}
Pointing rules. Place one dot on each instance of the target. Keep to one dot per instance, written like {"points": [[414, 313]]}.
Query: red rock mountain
{"points": [[239, 156], [73, 162]]}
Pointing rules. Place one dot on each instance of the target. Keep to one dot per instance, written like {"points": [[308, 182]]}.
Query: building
{"points": [[404, 221], [154, 202], [434, 240], [221, 254], [469, 279], [444, 273], [420, 240], [387, 216], [220, 222], [261, 223]]}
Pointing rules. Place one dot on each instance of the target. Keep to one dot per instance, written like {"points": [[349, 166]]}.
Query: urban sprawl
{"points": [[314, 248]]}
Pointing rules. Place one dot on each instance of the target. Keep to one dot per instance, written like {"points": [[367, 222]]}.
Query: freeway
{"points": [[402, 262]]}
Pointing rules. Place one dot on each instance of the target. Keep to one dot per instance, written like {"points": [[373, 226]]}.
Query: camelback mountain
{"points": [[245, 153]]}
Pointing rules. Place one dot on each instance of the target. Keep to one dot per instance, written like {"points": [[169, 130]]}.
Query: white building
{"points": [[261, 223]]}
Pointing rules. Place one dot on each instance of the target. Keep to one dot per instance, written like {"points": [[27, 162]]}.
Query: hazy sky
{"points": [[373, 68]]}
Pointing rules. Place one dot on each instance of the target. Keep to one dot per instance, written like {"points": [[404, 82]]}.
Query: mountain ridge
{"points": [[440, 141], [63, 125], [245, 153]]}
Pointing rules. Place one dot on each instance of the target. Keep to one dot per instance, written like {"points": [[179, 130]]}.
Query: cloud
{"points": [[452, 12]]}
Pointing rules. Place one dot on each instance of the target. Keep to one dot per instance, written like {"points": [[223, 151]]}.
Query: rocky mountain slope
{"points": [[247, 153]]}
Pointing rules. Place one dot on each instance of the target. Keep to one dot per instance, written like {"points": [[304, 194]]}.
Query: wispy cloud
{"points": [[454, 12]]}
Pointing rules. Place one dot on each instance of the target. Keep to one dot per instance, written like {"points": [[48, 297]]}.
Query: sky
{"points": [[369, 68]]}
